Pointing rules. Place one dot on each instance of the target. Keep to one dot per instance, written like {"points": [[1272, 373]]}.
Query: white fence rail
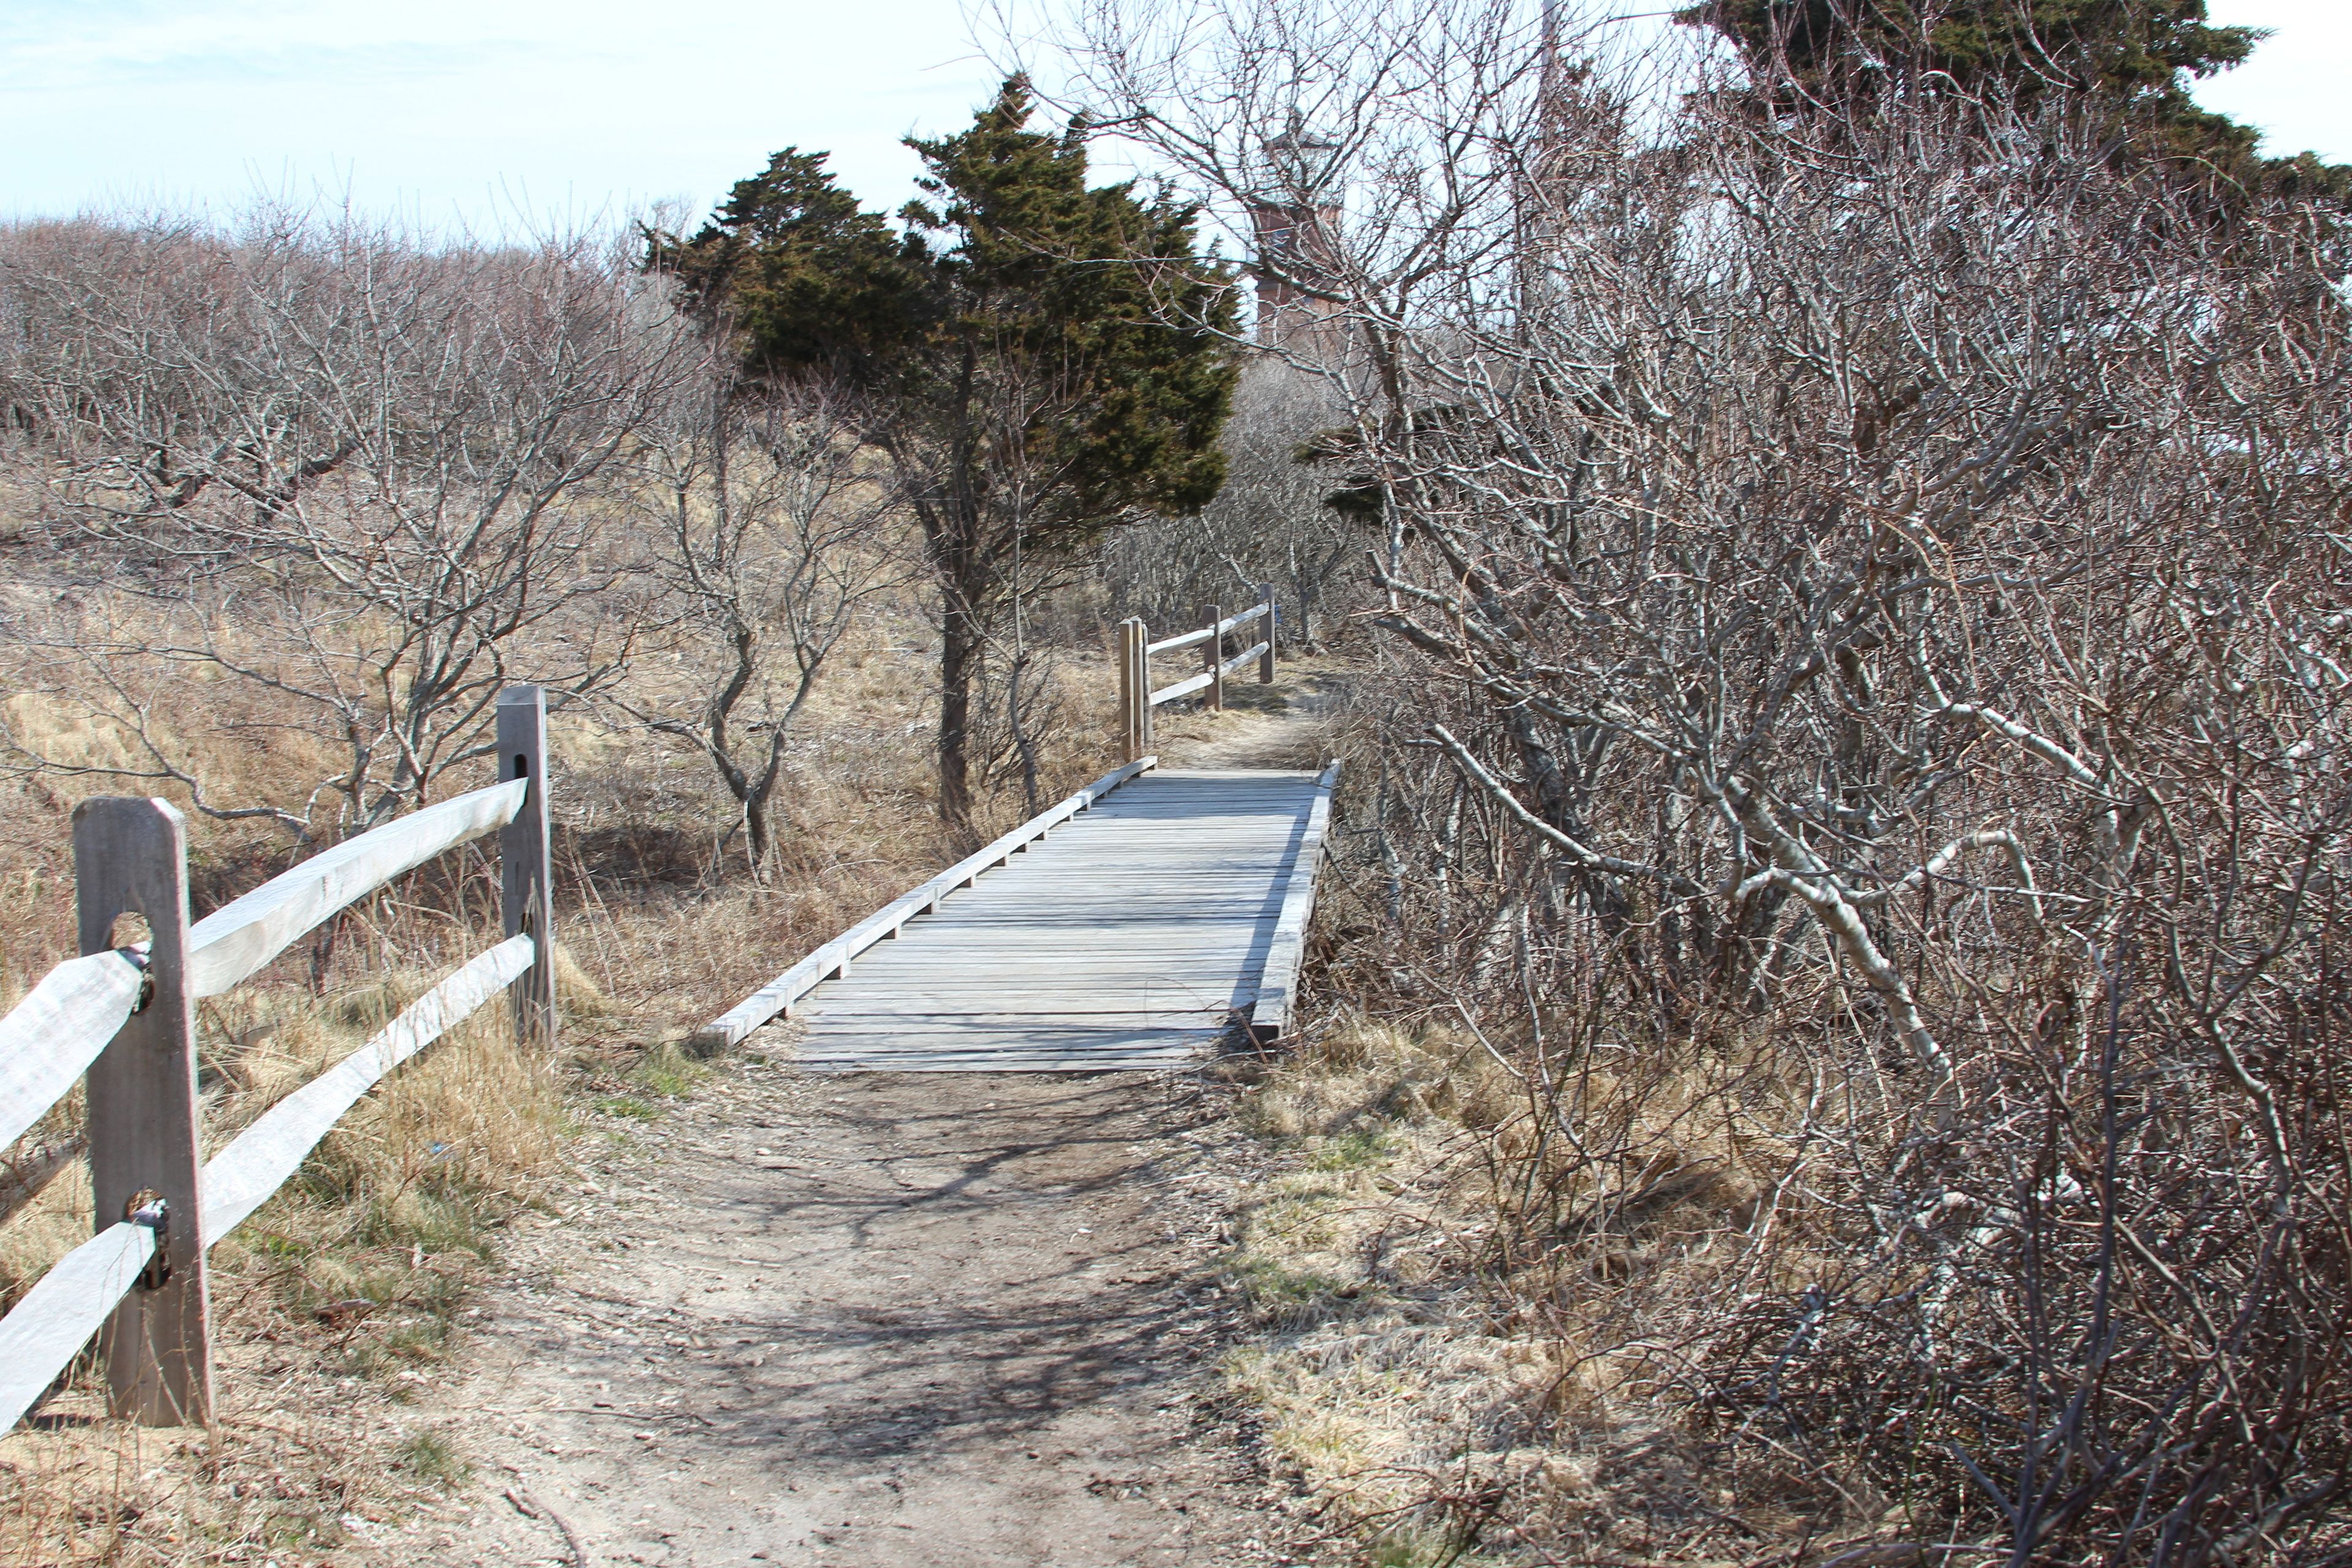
{"points": [[63, 1308], [240, 1178], [1225, 628], [236, 940], [49, 1039], [124, 1019]]}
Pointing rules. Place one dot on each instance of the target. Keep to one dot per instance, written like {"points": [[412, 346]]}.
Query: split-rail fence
{"points": [[121, 1017], [124, 1016], [1136, 699]]}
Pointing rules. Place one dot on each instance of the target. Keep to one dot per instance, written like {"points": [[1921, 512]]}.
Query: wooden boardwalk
{"points": [[1136, 935]]}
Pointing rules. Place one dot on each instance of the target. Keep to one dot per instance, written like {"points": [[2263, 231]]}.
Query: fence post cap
{"points": [[105, 804]]}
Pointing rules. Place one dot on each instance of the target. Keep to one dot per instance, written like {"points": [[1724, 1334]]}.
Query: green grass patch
{"points": [[1279, 1289], [1350, 1151], [429, 1457], [387, 1282], [668, 1071]]}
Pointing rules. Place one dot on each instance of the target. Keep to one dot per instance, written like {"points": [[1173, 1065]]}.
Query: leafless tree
{"points": [[1868, 603], [775, 537], [358, 469]]}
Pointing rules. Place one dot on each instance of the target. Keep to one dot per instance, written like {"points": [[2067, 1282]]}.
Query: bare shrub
{"points": [[1868, 602], [776, 539], [357, 470]]}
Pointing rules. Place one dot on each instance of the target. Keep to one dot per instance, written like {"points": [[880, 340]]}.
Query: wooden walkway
{"points": [[1136, 935]]}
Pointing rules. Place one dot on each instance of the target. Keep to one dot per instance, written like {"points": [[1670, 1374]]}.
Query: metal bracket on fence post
{"points": [[147, 1208], [1213, 656], [525, 861], [1273, 614], [131, 856]]}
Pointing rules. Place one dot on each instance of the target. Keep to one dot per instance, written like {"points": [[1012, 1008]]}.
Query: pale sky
{"points": [[499, 110], [2293, 90], [480, 108]]}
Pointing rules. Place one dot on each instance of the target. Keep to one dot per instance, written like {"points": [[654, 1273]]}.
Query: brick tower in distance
{"points": [[1296, 225]]}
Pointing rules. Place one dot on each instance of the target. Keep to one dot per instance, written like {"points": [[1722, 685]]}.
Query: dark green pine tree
{"points": [[2137, 56], [804, 278], [1045, 359]]}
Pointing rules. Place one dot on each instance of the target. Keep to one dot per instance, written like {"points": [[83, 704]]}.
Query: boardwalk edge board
{"points": [[1277, 993]]}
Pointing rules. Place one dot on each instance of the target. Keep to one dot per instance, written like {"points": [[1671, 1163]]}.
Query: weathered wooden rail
{"points": [[123, 1015], [1136, 699], [1278, 993]]}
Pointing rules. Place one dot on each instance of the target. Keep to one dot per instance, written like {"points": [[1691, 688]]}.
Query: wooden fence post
{"points": [[1142, 688], [1213, 656], [525, 884], [1273, 614], [1126, 689], [130, 856]]}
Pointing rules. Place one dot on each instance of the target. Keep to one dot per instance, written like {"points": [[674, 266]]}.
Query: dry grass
{"points": [[338, 1299], [1376, 1383], [1451, 1355]]}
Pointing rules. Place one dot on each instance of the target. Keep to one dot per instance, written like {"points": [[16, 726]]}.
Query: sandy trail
{"points": [[880, 1322], [873, 1321]]}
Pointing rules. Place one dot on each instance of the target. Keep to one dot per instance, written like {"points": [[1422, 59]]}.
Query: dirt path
{"points": [[1287, 725], [881, 1321], [873, 1321]]}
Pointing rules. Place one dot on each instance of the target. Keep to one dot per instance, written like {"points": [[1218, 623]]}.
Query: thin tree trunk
{"points": [[1024, 742], [755, 829], [959, 651]]}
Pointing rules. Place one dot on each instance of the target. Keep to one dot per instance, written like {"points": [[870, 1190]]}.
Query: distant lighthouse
{"points": [[1296, 221]]}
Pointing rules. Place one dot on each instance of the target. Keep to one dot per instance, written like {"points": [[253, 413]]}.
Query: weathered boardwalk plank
{"points": [[1135, 936]]}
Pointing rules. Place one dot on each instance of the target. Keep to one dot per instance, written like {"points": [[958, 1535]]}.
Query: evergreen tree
{"points": [[804, 278], [2135, 57], [1047, 359]]}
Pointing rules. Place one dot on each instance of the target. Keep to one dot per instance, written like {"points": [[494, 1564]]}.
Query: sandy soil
{"points": [[881, 1321], [873, 1321]]}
